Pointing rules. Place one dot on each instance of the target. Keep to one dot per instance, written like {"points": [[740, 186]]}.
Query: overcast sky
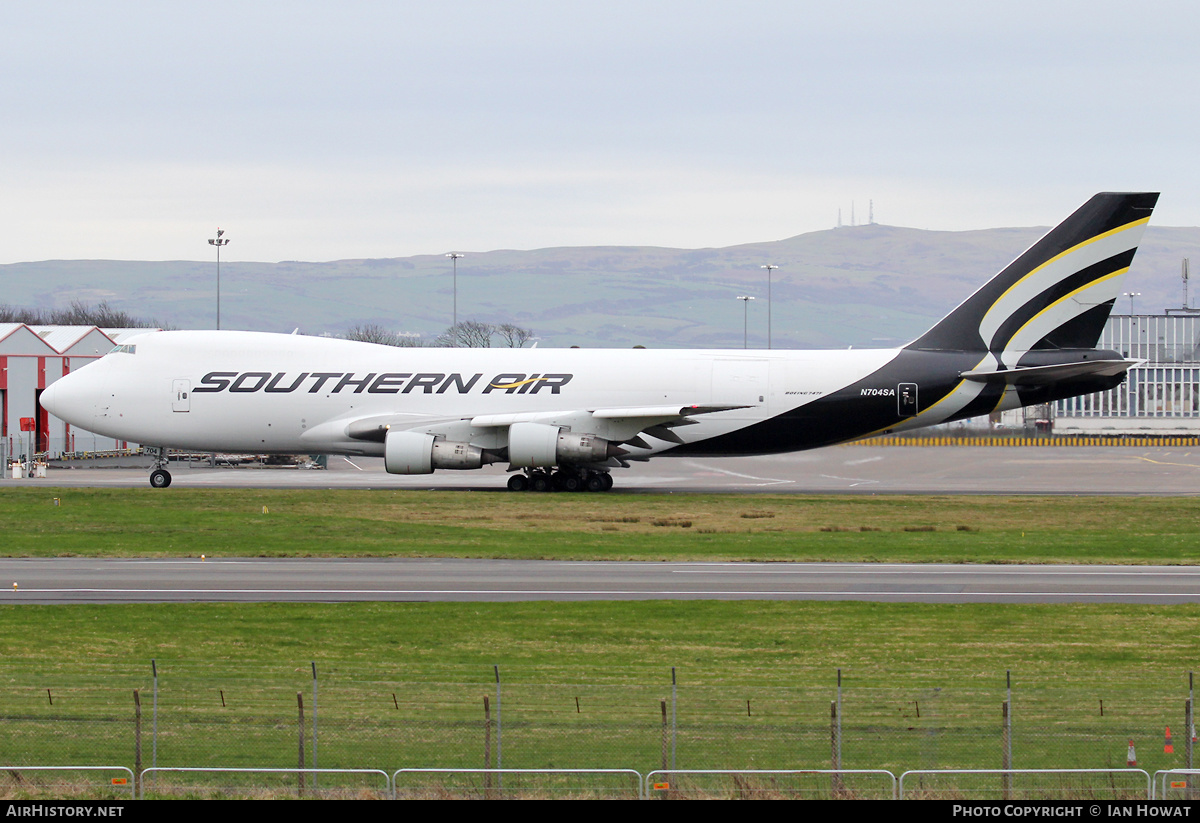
{"points": [[320, 131]]}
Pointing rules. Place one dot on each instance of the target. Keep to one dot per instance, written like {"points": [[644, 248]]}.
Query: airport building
{"points": [[1161, 396], [33, 357]]}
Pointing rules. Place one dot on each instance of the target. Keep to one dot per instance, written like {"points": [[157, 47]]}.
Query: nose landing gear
{"points": [[160, 478]]}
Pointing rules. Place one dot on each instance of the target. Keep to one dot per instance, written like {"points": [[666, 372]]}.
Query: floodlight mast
{"points": [[745, 316], [769, 267], [454, 256], [1131, 295], [219, 241]]}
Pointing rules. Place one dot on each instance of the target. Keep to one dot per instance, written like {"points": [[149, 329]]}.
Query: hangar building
{"points": [[1161, 396], [33, 357]]}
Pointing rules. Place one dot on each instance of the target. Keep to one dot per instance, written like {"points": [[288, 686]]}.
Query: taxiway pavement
{"points": [[184, 580], [839, 469]]}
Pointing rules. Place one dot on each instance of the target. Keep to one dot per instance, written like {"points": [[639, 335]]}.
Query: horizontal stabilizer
{"points": [[1037, 375]]}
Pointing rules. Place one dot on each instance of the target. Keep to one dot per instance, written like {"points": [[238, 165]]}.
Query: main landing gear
{"points": [[567, 480], [160, 478]]}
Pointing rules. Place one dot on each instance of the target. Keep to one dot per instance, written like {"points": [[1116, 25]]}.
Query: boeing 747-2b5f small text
{"points": [[564, 418]]}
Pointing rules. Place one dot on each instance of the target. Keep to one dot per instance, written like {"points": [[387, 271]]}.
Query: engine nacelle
{"points": [[538, 445], [420, 453]]}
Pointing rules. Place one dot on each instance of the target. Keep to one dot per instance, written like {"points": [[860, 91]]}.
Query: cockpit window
{"points": [[126, 349]]}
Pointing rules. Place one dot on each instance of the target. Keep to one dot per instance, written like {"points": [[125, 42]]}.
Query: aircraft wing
{"points": [[617, 425]]}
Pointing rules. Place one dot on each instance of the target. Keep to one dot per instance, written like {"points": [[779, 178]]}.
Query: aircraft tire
{"points": [[572, 483], [608, 481], [160, 478], [595, 483], [541, 483], [518, 483]]}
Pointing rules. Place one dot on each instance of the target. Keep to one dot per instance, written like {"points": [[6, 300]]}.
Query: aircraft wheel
{"points": [[518, 483], [541, 483], [595, 483], [160, 478], [572, 483], [608, 481]]}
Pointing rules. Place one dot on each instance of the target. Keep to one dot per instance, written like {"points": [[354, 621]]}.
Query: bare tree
{"points": [[371, 333], [468, 334], [102, 314], [513, 336], [77, 314], [13, 314]]}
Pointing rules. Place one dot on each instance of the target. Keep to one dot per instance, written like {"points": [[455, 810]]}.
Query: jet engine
{"points": [[420, 453], [538, 445]]}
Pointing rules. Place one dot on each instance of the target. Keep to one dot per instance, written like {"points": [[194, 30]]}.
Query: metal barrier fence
{"points": [[190, 714], [1036, 785], [1177, 784], [518, 784], [1031, 441], [263, 784], [772, 784], [64, 782], [1026, 784]]}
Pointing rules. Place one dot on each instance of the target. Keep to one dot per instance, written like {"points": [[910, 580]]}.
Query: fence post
{"points": [[674, 715], [1188, 720], [839, 720], [663, 705], [1006, 754], [1008, 713], [315, 762], [835, 744], [1188, 731], [499, 725], [300, 730], [487, 747], [154, 719], [137, 737]]}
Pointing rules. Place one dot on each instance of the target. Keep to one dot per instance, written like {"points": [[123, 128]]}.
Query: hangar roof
{"points": [[17, 338], [74, 341]]}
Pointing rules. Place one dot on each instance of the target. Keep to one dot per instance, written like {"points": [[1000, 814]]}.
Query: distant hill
{"points": [[863, 286]]}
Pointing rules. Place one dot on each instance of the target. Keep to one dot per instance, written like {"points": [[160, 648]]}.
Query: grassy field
{"points": [[583, 683], [388, 523]]}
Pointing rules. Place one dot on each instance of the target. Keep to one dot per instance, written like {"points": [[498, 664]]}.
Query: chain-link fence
{"points": [[190, 714]]}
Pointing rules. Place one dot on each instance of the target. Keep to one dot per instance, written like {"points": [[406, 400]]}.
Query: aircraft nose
{"points": [[67, 400]]}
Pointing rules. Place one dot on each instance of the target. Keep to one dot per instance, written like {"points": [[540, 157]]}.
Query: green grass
{"points": [[391, 523], [582, 684], [880, 643]]}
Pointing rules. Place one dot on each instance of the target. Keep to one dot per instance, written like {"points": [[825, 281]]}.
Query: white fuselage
{"points": [[269, 393]]}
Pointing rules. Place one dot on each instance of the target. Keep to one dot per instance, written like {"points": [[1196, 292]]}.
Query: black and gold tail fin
{"points": [[1058, 294]]}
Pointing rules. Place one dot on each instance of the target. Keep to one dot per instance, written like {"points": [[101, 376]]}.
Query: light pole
{"points": [[454, 325], [1131, 295], [745, 315], [218, 242], [769, 267]]}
